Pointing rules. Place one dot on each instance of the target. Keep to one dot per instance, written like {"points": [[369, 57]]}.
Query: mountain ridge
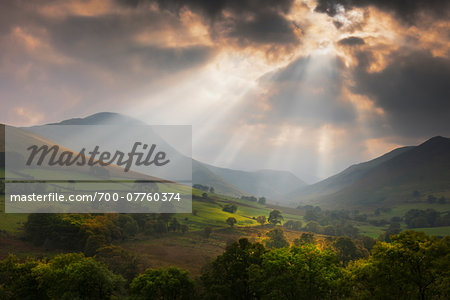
{"points": [[424, 168], [267, 183]]}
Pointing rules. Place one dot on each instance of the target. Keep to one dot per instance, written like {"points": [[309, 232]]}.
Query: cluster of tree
{"points": [[89, 232], [294, 225], [416, 218], [231, 208], [260, 200], [432, 199], [340, 229], [74, 276], [66, 276], [378, 211], [411, 266], [275, 217], [204, 188], [331, 217], [231, 221], [347, 249]]}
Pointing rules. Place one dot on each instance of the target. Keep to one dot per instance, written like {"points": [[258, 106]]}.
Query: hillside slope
{"points": [[404, 175], [269, 183], [343, 179]]}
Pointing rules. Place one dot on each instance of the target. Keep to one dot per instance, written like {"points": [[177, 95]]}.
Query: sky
{"points": [[304, 86]]}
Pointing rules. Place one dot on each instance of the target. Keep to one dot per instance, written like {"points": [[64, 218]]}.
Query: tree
{"points": [[347, 250], [211, 190], [261, 220], [231, 208], [119, 261], [262, 200], [170, 283], [412, 266], [174, 225], [275, 217], [311, 215], [227, 277], [74, 276], [93, 243], [305, 238], [294, 225], [231, 221], [276, 239], [313, 226], [296, 273], [207, 231], [17, 280], [128, 225], [55, 231], [431, 199], [205, 196], [184, 228]]}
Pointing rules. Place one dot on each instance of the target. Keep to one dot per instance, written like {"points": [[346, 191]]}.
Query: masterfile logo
{"points": [[106, 158], [81, 168]]}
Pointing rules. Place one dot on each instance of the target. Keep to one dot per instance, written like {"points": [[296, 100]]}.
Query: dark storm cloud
{"points": [[351, 41], [56, 63], [407, 10], [259, 22], [413, 91], [264, 29], [107, 41], [308, 92]]}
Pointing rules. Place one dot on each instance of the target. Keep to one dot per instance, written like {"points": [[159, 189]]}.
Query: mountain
{"points": [[201, 174], [343, 179], [104, 118], [408, 174], [269, 183]]}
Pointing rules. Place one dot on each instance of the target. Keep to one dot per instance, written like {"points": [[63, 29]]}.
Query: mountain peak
{"points": [[102, 118], [438, 139], [435, 144]]}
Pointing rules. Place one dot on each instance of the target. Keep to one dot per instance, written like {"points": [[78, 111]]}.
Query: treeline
{"points": [[204, 188], [89, 232], [416, 218], [260, 200], [412, 266]]}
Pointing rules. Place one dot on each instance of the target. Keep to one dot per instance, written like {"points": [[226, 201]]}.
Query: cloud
{"points": [[351, 41], [412, 90], [407, 11], [307, 92], [249, 23]]}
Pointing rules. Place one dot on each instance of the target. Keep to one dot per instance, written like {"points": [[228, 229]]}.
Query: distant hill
{"points": [[104, 118], [343, 179], [201, 174], [407, 174], [269, 183]]}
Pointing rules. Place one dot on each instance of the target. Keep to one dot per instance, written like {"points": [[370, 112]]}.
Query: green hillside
{"points": [[410, 176]]}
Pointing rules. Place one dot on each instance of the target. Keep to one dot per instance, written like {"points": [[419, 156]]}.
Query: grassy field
{"points": [[193, 250], [439, 231]]}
